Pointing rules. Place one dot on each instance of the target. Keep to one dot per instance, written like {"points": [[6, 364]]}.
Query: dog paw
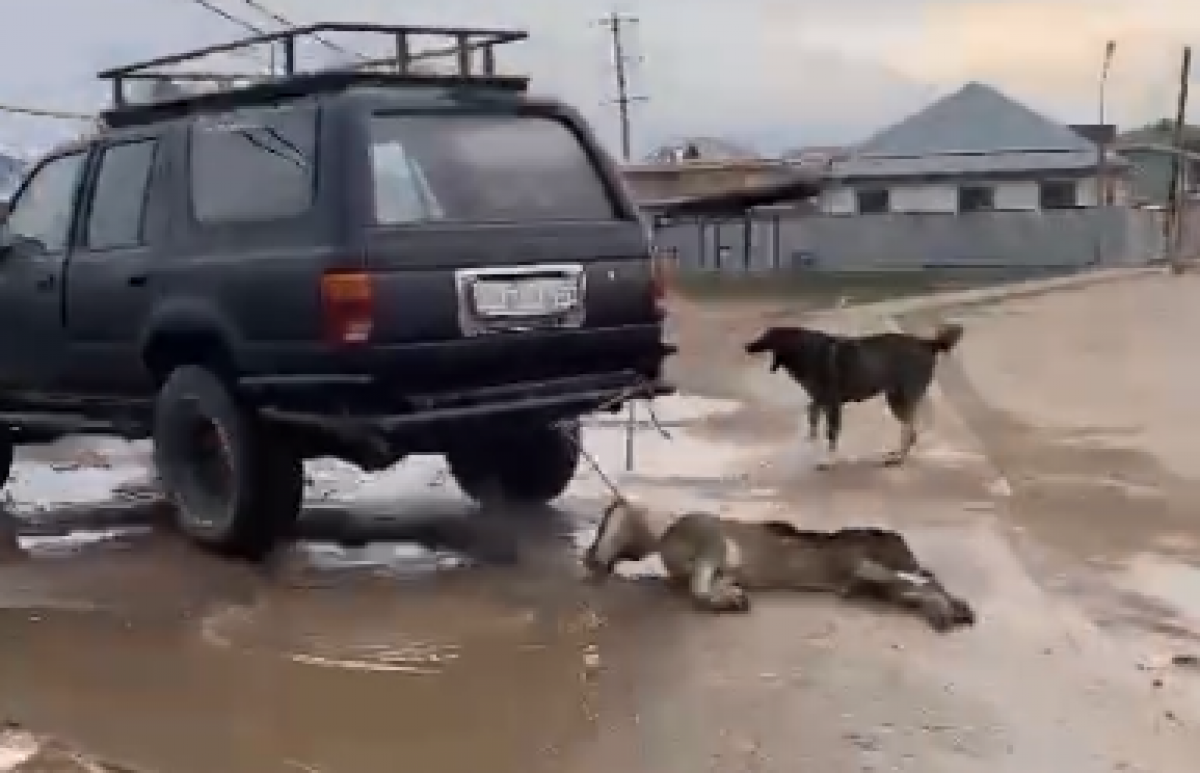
{"points": [[730, 599], [962, 613], [940, 621], [736, 600], [945, 617], [826, 462]]}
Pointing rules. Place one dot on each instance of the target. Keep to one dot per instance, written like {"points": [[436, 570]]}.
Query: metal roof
{"points": [[967, 165], [707, 148], [975, 130]]}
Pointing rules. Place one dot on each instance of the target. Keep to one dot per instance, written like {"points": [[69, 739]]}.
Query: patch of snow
{"points": [[38, 485], [654, 457], [402, 557], [70, 543], [16, 748], [665, 474], [1176, 585]]}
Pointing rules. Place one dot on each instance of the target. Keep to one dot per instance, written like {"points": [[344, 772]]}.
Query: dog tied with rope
{"points": [[717, 562]]}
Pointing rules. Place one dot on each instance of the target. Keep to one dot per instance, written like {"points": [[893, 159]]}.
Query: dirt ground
{"points": [[1055, 492]]}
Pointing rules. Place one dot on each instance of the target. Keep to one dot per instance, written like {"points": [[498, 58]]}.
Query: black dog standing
{"points": [[836, 370]]}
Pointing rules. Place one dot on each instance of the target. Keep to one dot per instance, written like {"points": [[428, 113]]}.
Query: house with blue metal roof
{"points": [[973, 150]]}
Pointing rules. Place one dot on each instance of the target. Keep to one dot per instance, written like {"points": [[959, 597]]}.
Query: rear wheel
{"points": [[236, 489], [521, 465]]}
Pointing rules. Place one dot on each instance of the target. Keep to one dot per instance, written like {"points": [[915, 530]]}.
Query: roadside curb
{"points": [[982, 295]]}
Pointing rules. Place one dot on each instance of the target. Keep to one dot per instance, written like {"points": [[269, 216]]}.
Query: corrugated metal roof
{"points": [[966, 164], [975, 119], [975, 130], [708, 149]]}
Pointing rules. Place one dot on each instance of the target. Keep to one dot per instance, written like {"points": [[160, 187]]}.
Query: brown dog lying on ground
{"points": [[835, 370], [716, 561]]}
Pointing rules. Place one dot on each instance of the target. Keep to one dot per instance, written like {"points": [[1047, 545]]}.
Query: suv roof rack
{"points": [[407, 65]]}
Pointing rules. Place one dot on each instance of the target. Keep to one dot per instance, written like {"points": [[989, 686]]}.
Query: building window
{"points": [[1058, 194], [976, 198], [872, 201]]}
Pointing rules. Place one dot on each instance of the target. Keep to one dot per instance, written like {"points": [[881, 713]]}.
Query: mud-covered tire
{"points": [[523, 465], [237, 491]]}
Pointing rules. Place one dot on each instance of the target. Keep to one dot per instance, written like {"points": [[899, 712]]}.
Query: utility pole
{"points": [[616, 23], [1174, 223], [1102, 182]]}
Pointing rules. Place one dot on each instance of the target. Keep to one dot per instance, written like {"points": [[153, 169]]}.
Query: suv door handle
{"points": [[45, 282], [138, 280]]}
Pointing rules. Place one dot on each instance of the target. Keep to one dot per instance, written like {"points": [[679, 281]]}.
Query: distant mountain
{"points": [[1163, 133]]}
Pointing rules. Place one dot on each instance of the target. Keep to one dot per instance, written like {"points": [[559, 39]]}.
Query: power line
{"points": [[274, 16], [39, 112], [229, 17], [279, 18], [211, 8], [616, 23]]}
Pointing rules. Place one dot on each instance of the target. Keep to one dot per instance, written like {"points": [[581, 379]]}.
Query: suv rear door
{"points": [[253, 232], [500, 220]]}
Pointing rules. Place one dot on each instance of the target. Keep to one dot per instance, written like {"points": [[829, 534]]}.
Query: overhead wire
{"points": [[45, 113], [211, 7], [217, 10], [281, 19]]}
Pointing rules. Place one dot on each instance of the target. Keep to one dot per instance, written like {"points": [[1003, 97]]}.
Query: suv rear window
{"points": [[482, 168]]}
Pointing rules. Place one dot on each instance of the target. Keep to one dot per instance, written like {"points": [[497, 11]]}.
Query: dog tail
{"points": [[946, 337]]}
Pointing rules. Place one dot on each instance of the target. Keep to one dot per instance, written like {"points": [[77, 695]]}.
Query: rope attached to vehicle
{"points": [[630, 396]]}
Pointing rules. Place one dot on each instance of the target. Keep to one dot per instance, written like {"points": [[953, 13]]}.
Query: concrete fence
{"points": [[1055, 240]]}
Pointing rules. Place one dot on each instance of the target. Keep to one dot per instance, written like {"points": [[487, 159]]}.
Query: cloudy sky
{"points": [[770, 73]]}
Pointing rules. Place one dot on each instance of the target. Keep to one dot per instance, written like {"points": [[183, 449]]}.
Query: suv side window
{"points": [[254, 166], [119, 196], [44, 208], [483, 168]]}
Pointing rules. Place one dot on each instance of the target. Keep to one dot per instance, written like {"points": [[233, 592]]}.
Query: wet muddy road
{"points": [[484, 649]]}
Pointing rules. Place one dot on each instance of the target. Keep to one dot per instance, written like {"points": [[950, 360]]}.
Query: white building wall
{"points": [[924, 198], [838, 200], [1019, 195], [1012, 195], [1088, 192]]}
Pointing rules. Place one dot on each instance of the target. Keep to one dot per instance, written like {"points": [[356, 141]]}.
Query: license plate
{"points": [[524, 297]]}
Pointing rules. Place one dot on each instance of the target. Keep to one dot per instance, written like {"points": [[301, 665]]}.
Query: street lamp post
{"points": [[1102, 189]]}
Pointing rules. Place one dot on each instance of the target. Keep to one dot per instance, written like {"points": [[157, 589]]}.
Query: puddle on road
{"points": [[1100, 521], [1087, 492], [1173, 584], [181, 662], [351, 651]]}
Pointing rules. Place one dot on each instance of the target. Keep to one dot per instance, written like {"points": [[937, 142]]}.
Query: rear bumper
{"points": [[435, 365], [432, 419]]}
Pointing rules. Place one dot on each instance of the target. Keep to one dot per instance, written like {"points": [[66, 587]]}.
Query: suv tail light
{"points": [[347, 307]]}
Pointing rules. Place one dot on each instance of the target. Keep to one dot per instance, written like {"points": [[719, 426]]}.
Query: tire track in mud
{"points": [[1080, 506]]}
